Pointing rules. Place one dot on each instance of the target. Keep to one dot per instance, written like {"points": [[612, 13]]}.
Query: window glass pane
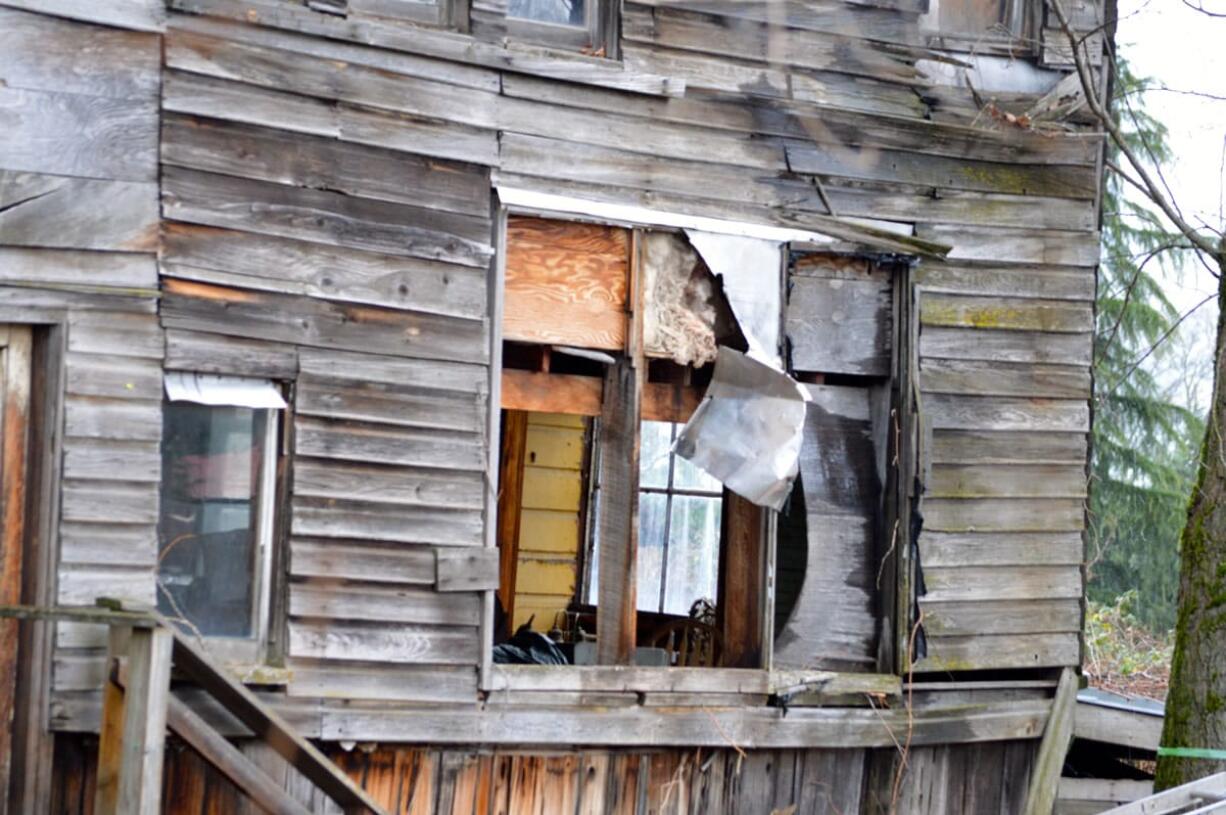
{"points": [[655, 441], [693, 553], [211, 463], [688, 477], [558, 12], [976, 17], [652, 507]]}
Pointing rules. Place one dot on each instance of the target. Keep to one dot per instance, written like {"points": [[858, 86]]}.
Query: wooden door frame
{"points": [[32, 740]]}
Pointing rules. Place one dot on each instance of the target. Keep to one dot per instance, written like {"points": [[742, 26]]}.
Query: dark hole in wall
{"points": [[791, 554]]}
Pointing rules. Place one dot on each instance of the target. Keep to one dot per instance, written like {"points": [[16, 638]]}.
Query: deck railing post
{"points": [[133, 735]]}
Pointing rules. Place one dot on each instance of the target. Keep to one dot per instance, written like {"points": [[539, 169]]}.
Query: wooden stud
{"points": [[741, 582], [616, 608], [510, 492], [15, 380]]}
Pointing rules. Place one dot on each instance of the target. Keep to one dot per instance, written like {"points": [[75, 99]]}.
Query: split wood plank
{"points": [[1057, 736]]}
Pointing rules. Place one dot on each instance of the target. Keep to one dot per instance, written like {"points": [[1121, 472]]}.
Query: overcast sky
{"points": [[1185, 50]]}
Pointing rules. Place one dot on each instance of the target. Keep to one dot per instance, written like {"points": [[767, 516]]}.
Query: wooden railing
{"points": [[138, 705]]}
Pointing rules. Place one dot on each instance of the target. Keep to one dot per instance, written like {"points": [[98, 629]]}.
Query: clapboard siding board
{"points": [[103, 270], [71, 134], [313, 162], [1012, 379], [387, 485], [324, 217], [418, 525], [141, 15], [287, 266], [45, 53], [286, 319], [1000, 549], [368, 561], [62, 212], [397, 644]]}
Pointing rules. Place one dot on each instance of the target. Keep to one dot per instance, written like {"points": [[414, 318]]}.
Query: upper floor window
{"points": [[979, 23], [567, 23], [215, 529]]}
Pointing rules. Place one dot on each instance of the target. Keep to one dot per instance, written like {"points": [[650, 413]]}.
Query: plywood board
{"points": [[566, 283]]}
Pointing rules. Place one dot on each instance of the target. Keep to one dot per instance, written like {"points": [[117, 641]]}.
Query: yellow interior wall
{"points": [[550, 520]]}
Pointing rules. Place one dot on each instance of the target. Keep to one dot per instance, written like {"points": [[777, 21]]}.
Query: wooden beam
{"points": [[618, 543], [14, 421], [1057, 735], [227, 758], [133, 738], [510, 494], [719, 727], [581, 395], [741, 583], [538, 392]]}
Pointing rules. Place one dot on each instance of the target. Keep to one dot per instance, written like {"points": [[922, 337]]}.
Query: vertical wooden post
{"points": [[14, 427], [617, 595], [133, 737], [110, 735], [742, 580], [510, 500]]}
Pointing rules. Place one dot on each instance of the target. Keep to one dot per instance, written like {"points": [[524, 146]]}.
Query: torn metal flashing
{"points": [[747, 430], [750, 271]]}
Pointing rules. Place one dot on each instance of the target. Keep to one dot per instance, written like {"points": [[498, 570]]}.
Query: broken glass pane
{"points": [[558, 12], [653, 508], [212, 458], [693, 553], [655, 441]]}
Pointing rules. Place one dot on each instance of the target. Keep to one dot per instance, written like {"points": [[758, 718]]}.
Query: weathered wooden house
{"points": [[357, 334]]}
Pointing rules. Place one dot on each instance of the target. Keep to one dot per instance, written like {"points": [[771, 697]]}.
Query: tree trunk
{"points": [[1196, 702]]}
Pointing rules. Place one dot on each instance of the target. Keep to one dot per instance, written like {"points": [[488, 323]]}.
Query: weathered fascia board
{"points": [[544, 62], [759, 728], [139, 15]]}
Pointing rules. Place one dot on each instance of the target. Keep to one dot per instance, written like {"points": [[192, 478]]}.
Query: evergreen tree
{"points": [[1146, 443]]}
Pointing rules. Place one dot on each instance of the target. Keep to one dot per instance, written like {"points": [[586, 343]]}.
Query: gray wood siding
{"points": [[318, 188], [78, 233], [357, 271]]}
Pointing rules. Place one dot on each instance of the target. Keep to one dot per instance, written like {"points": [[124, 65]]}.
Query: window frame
{"points": [[449, 14], [765, 532], [253, 650], [598, 34], [1020, 17]]}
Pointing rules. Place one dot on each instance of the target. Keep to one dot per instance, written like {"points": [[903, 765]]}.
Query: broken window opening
{"points": [[570, 319]]}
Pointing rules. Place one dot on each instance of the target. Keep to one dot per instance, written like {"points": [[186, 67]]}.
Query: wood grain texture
{"points": [[833, 623], [282, 318], [566, 283], [71, 134], [839, 323], [57, 212], [324, 217], [46, 53]]}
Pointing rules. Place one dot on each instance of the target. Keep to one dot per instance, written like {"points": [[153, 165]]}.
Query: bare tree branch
{"points": [[1144, 180], [1165, 336], [1102, 350], [1200, 6]]}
